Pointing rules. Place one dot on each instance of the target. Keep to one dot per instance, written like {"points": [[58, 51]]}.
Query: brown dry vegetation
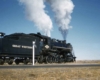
{"points": [[88, 61], [89, 73]]}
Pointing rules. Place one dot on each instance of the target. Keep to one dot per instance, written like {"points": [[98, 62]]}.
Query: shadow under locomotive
{"points": [[17, 47]]}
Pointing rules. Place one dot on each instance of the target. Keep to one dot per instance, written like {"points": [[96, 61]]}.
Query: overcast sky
{"points": [[85, 22]]}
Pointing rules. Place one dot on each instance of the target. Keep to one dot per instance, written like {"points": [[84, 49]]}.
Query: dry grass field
{"points": [[88, 61], [89, 73], [83, 73]]}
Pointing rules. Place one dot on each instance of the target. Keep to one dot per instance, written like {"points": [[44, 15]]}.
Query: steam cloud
{"points": [[36, 13], [62, 10]]}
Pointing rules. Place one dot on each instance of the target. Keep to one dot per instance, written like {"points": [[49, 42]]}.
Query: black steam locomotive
{"points": [[17, 47]]}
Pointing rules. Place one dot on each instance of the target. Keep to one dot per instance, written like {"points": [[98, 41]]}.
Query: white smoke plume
{"points": [[36, 13], [62, 10]]}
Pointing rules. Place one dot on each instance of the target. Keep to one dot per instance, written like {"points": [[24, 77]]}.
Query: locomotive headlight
{"points": [[46, 46]]}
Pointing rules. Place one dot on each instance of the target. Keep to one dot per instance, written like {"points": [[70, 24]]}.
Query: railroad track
{"points": [[49, 66]]}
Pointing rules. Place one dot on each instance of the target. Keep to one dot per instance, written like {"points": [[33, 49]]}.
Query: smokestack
{"points": [[36, 13], [62, 10]]}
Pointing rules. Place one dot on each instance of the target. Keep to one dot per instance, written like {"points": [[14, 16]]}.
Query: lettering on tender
{"points": [[17, 46], [21, 46]]}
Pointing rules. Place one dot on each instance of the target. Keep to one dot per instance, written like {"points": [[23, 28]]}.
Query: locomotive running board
{"points": [[61, 47]]}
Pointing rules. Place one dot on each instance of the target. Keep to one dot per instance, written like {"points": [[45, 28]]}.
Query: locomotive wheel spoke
{"points": [[50, 60], [46, 59], [56, 60], [53, 59], [40, 59]]}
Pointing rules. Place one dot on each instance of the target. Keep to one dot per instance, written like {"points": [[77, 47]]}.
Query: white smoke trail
{"points": [[62, 10], [36, 13]]}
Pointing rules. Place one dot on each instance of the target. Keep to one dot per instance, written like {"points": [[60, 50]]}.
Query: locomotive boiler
{"points": [[17, 47]]}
